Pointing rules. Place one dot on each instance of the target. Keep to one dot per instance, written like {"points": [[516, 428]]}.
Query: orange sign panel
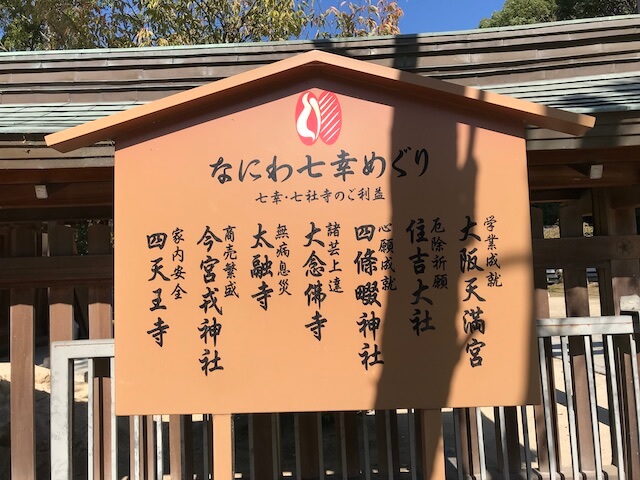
{"points": [[323, 247]]}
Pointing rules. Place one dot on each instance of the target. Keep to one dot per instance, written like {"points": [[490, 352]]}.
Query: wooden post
{"points": [[22, 332], [176, 461], [347, 444], [150, 448], [134, 459], [61, 243], [208, 431], [263, 461], [628, 411], [145, 459], [42, 319], [468, 434], [541, 310], [100, 326], [222, 447], [309, 443], [387, 442], [181, 446], [5, 235], [623, 279], [187, 440], [432, 444], [513, 441], [577, 305]]}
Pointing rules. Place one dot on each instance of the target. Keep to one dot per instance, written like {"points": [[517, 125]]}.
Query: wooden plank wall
{"points": [[619, 272]]}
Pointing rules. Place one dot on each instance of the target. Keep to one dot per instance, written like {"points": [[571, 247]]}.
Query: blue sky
{"points": [[426, 16]]}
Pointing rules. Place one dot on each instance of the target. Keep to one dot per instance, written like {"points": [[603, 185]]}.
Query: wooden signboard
{"points": [[323, 247], [322, 234]]}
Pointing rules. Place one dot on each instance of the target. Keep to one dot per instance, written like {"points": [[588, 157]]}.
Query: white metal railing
{"points": [[557, 330], [63, 355]]}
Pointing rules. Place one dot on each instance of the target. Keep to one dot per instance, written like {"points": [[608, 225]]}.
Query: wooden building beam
{"points": [[584, 252], [56, 271], [37, 175], [58, 195], [46, 214], [583, 155], [559, 176]]}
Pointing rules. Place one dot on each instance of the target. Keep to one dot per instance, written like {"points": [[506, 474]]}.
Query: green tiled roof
{"points": [[53, 117], [602, 93]]}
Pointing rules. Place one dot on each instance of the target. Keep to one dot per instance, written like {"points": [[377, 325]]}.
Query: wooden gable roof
{"points": [[322, 64]]}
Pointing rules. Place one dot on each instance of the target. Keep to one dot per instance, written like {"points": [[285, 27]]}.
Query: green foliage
{"points": [[171, 22], [523, 12], [550, 212], [570, 9], [54, 24], [357, 19], [64, 24]]}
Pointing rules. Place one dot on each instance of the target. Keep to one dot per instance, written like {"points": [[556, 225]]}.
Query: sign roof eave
{"points": [[329, 64]]}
